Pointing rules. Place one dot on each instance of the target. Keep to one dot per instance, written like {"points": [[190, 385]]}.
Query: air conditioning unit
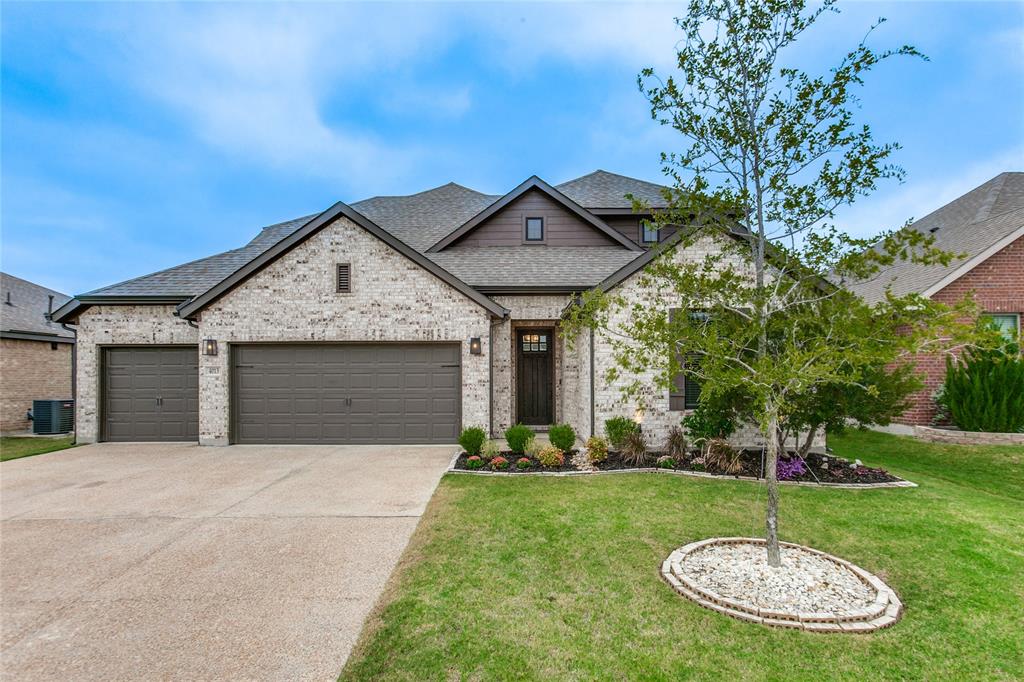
{"points": [[53, 416]]}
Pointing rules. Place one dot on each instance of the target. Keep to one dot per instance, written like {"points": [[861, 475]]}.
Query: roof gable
{"points": [[533, 184], [602, 189], [25, 307], [191, 308]]}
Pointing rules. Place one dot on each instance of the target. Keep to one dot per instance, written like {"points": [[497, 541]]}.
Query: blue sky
{"points": [[139, 136]]}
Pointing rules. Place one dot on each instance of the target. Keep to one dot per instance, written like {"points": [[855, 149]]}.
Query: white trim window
{"points": [[1008, 324]]}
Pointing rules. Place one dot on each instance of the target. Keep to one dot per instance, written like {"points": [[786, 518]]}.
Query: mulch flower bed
{"points": [[513, 468], [815, 468]]}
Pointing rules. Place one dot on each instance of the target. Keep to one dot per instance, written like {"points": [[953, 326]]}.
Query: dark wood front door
{"points": [[535, 351]]}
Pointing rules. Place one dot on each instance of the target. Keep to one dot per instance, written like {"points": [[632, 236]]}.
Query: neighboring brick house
{"points": [[35, 353], [987, 226], [394, 319]]}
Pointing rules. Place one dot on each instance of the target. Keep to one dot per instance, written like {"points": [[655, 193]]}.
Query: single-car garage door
{"points": [[151, 393], [346, 393]]}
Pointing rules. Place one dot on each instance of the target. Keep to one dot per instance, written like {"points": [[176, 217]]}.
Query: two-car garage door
{"points": [[346, 393], [302, 393]]}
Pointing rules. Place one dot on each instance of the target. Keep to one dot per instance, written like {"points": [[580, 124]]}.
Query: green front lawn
{"points": [[15, 448], [528, 577]]}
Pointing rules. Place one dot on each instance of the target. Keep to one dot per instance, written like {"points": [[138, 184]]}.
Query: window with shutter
{"points": [[684, 393], [344, 278]]}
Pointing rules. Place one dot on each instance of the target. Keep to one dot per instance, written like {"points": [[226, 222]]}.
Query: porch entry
{"points": [[535, 354]]}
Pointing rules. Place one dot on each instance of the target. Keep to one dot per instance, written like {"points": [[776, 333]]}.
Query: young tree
{"points": [[773, 152]]}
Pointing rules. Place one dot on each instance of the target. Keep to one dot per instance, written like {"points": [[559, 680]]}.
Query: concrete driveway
{"points": [[168, 561]]}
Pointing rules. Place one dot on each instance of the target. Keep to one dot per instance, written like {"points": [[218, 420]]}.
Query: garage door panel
{"points": [[346, 393], [150, 393]]}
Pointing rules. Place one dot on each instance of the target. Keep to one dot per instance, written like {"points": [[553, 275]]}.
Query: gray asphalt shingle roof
{"points": [[506, 266], [602, 189], [421, 220], [23, 307], [968, 225]]}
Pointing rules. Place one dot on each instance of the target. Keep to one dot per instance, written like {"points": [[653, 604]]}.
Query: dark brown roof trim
{"points": [[36, 336], [76, 306], [533, 182], [189, 309], [621, 212]]}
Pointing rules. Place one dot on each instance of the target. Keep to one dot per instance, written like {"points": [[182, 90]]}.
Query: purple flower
{"points": [[791, 468]]}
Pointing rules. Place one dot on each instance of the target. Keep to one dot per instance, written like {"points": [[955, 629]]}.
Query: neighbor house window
{"points": [[344, 278], [1008, 324], [648, 233], [534, 229], [684, 393]]}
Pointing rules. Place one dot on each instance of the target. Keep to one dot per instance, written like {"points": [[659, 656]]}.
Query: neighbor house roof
{"points": [[976, 225], [420, 221], [24, 307]]}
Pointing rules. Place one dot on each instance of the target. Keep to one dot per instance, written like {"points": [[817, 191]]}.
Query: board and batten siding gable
{"points": [[561, 226]]}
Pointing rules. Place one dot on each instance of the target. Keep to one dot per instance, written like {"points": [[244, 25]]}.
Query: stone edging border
{"points": [[933, 435], [883, 612], [696, 474]]}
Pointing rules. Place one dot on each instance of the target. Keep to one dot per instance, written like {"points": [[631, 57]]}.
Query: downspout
{"points": [[593, 400]]}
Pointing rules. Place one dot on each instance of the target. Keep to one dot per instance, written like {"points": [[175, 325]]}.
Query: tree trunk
{"points": [[772, 481], [806, 447]]}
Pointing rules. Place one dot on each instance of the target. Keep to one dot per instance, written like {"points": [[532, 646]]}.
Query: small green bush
{"points": [[617, 428], [706, 423], [524, 463], [666, 462], [518, 437], [562, 436], [533, 448], [474, 462], [472, 438], [550, 456], [490, 450], [499, 463], [597, 449], [985, 392]]}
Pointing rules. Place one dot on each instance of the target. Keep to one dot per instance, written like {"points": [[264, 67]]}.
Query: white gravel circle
{"points": [[805, 583], [811, 590]]}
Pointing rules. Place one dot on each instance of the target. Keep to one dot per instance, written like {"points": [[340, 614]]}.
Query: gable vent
{"points": [[344, 278]]}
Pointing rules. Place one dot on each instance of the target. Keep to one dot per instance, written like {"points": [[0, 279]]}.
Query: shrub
{"points": [[720, 456], [490, 450], [518, 437], [617, 428], [474, 462], [675, 444], [524, 463], [533, 448], [597, 449], [634, 448], [562, 436], [666, 462], [550, 456], [985, 392], [790, 468], [499, 463], [472, 438], [707, 422]]}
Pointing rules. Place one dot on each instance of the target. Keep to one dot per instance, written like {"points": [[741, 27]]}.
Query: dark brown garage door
{"points": [[346, 393], [151, 393]]}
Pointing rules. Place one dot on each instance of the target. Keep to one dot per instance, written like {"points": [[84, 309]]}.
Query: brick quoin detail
{"points": [[997, 286]]}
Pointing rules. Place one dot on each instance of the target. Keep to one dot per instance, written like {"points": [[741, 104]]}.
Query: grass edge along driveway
{"points": [[527, 577], [16, 447]]}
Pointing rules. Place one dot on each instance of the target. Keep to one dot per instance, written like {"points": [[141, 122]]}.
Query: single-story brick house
{"points": [[36, 354], [986, 225], [393, 319]]}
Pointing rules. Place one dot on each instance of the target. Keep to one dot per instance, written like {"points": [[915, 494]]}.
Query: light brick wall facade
{"points": [[31, 370], [997, 286], [118, 326], [294, 299], [657, 418]]}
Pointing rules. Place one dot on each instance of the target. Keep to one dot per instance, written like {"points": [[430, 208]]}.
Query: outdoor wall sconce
{"points": [[210, 347], [474, 346]]}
